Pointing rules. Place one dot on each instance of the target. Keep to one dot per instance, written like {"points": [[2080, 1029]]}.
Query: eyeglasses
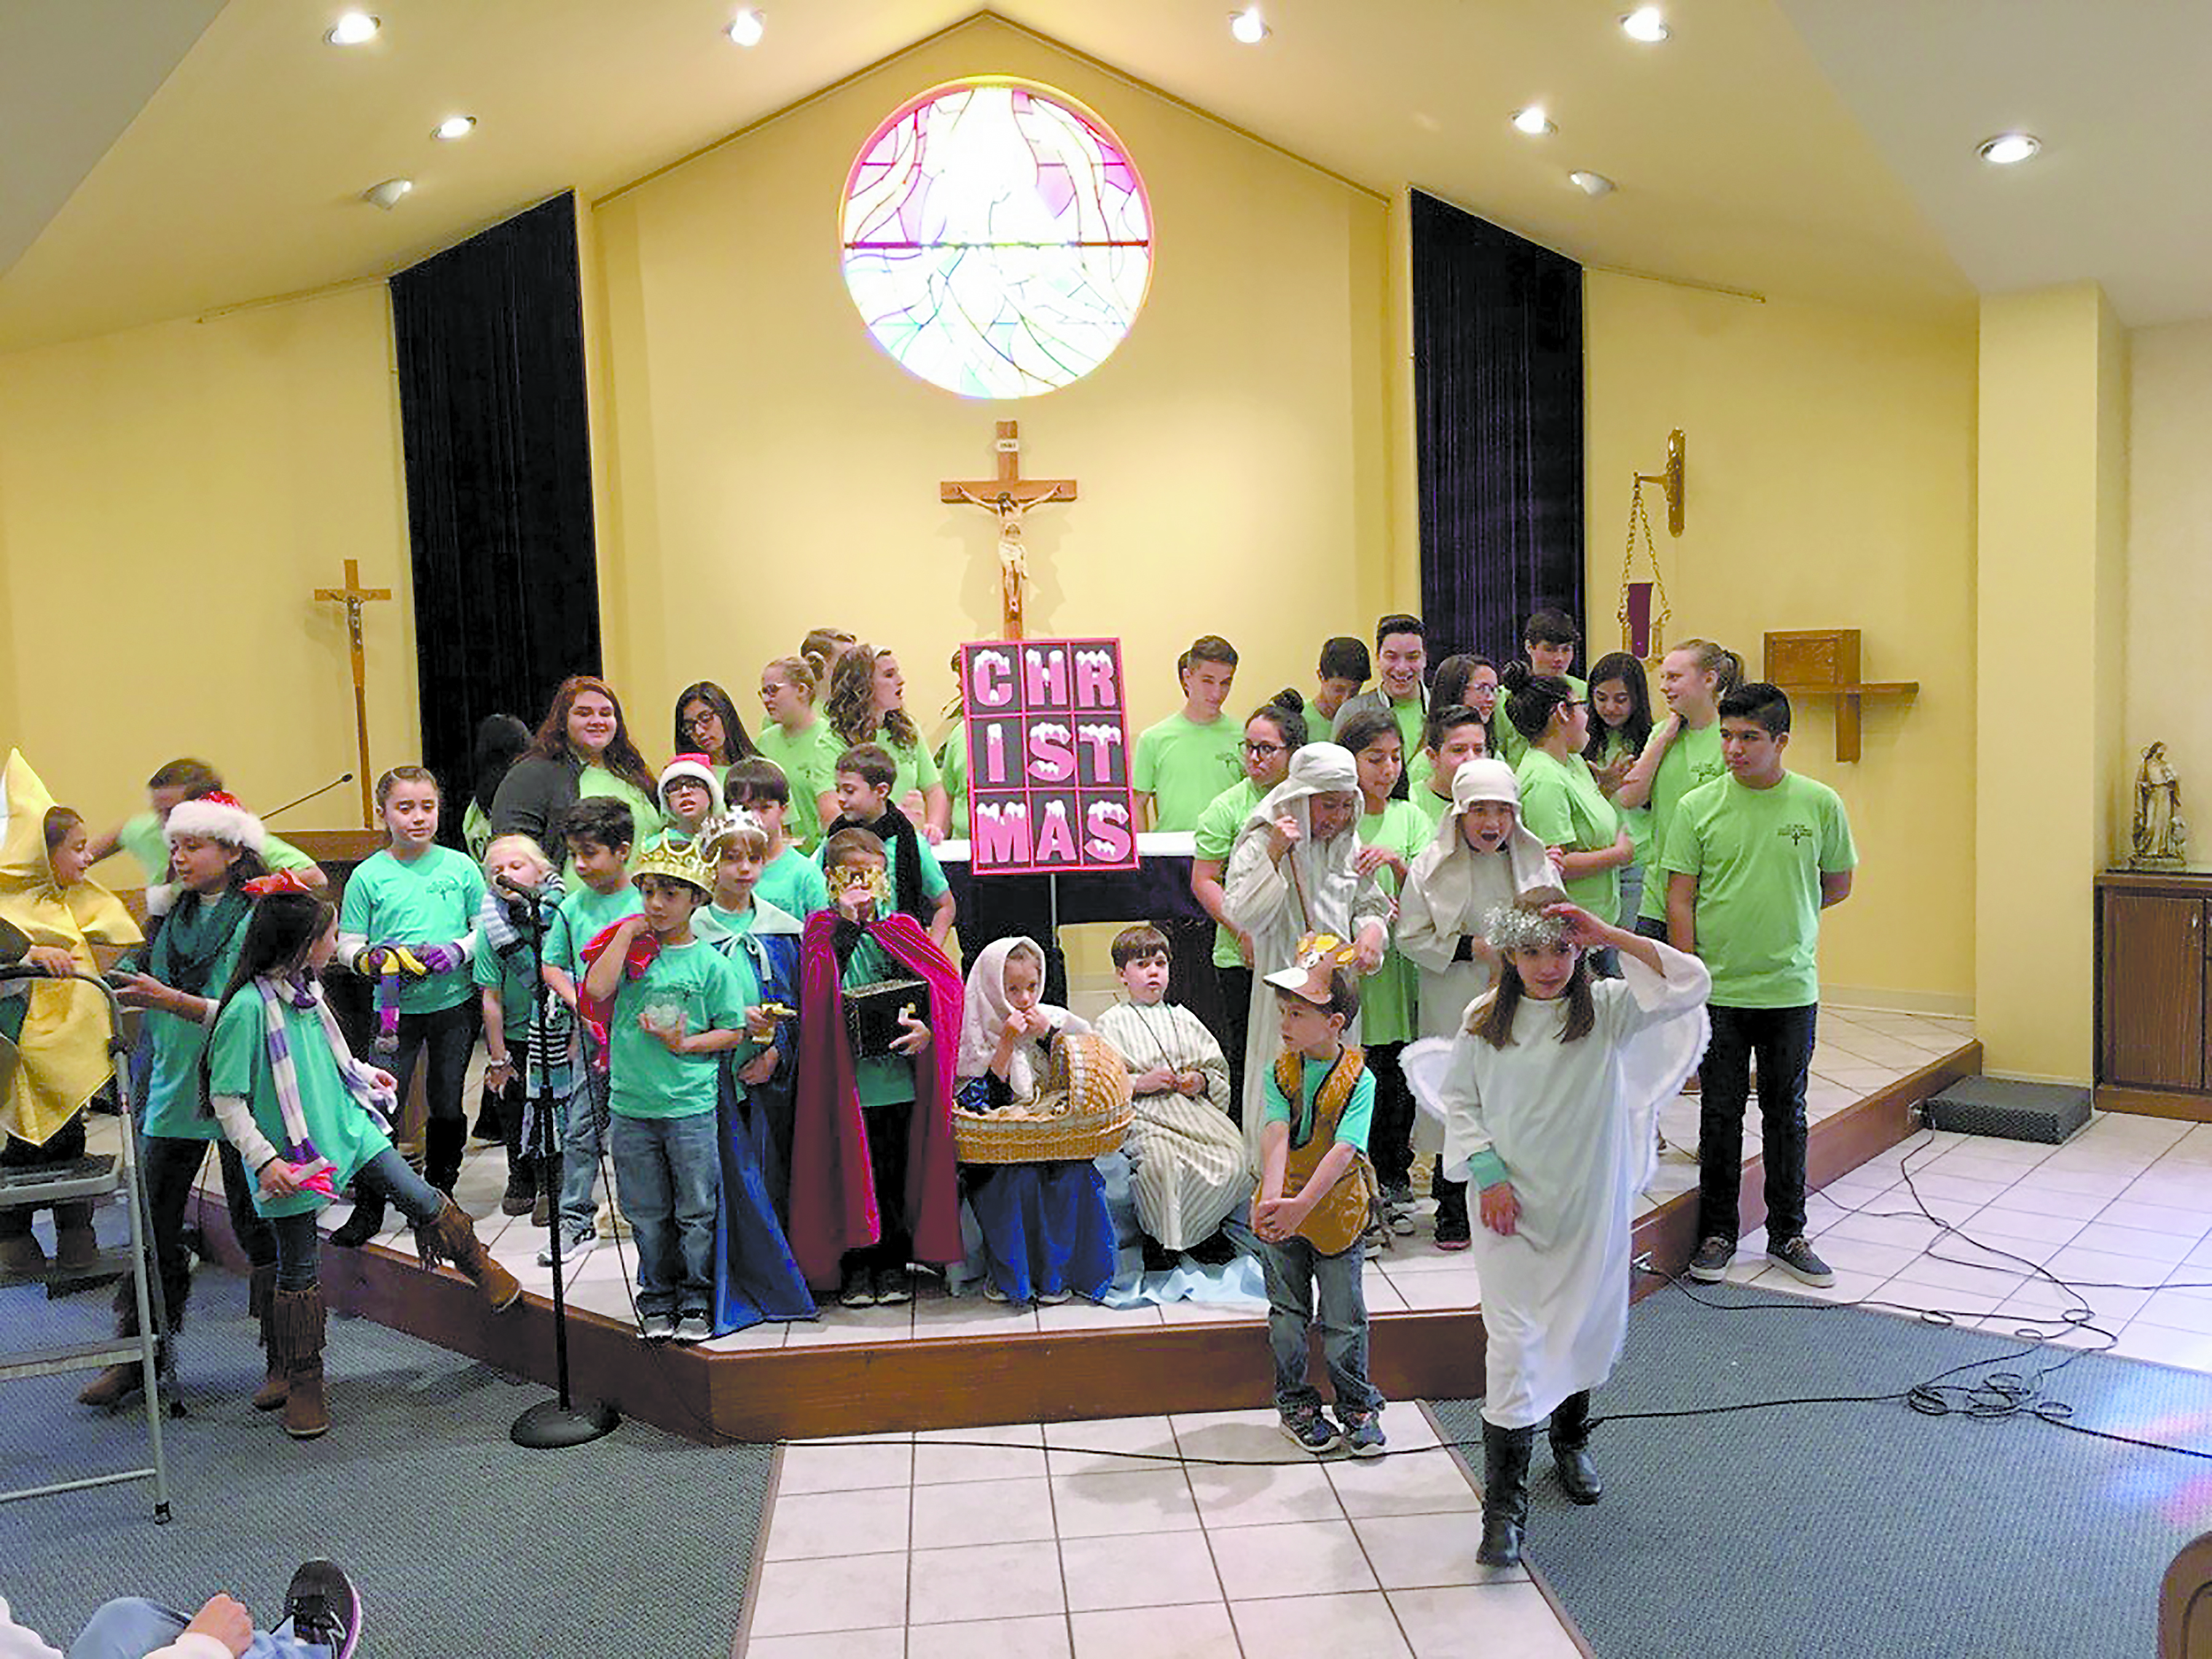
{"points": [[1261, 751], [699, 723]]}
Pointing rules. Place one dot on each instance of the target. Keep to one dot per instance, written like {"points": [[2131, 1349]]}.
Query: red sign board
{"points": [[1048, 757]]}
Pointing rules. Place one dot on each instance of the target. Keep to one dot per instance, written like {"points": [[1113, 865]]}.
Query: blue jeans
{"points": [[1296, 1272], [668, 1174], [298, 1241], [131, 1628], [581, 1138], [1782, 1039]]}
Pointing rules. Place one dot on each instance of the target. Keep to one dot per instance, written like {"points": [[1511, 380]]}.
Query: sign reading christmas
{"points": [[1048, 757]]}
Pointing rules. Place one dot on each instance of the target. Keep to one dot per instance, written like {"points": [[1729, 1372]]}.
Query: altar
{"points": [[1159, 888]]}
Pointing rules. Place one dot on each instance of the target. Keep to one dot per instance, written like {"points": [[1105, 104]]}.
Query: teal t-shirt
{"points": [[883, 1079], [1506, 741], [1691, 762], [1215, 837], [1351, 1123], [809, 764], [933, 884], [509, 974], [1183, 765], [173, 1099], [144, 838], [713, 992], [792, 883], [238, 1064], [1563, 807], [1389, 996], [582, 917], [644, 811], [1758, 855], [431, 899]]}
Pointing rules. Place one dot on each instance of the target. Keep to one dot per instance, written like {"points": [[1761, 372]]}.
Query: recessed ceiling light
{"points": [[387, 194], [1249, 26], [747, 27], [455, 126], [1645, 23], [1591, 183], [352, 28], [2008, 148], [1533, 121]]}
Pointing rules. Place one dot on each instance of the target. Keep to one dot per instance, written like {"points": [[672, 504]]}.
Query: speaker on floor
{"points": [[2015, 1111]]}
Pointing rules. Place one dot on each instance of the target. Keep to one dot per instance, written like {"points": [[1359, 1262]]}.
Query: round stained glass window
{"points": [[998, 240]]}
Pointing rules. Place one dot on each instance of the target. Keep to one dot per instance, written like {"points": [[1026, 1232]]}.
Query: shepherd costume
{"points": [[833, 1205]]}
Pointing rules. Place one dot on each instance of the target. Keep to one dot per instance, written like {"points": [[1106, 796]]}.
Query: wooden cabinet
{"points": [[2153, 993]]}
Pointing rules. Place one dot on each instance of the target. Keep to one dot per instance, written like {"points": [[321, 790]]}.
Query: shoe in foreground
{"points": [[1308, 1429], [1710, 1264], [325, 1607]]}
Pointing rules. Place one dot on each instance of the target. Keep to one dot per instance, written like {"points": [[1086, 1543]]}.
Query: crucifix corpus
{"points": [[353, 596], [1009, 497]]}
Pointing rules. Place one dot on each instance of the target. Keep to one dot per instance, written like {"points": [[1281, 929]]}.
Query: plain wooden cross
{"points": [[1009, 495], [353, 596]]}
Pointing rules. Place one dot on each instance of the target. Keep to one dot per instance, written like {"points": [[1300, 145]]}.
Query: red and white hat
{"points": [[216, 816], [699, 769]]}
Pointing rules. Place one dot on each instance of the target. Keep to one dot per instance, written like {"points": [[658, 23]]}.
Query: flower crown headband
{"points": [[1511, 927]]}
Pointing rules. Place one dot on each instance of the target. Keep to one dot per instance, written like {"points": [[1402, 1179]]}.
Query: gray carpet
{"points": [[463, 1543], [1865, 1531]]}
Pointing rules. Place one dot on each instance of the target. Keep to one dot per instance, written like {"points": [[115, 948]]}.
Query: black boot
{"points": [[1571, 1431], [521, 1194], [443, 1140], [1504, 1493], [366, 1222], [490, 1126]]}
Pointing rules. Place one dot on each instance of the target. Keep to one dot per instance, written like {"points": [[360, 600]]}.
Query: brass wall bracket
{"points": [[1671, 481]]}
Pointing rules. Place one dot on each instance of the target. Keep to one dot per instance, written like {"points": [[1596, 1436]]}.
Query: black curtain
{"points": [[490, 346], [1497, 388]]}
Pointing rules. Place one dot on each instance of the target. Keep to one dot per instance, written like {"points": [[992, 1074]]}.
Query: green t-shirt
{"points": [[1389, 996], [1758, 855], [144, 838], [582, 917], [1412, 716], [238, 1064], [712, 991], [792, 883], [809, 764], [1692, 759], [1435, 808], [430, 899], [883, 1080], [509, 974], [1352, 1122], [917, 770], [173, 1092], [1215, 834], [1563, 807], [952, 767], [1506, 741], [1637, 820], [644, 811], [1183, 765]]}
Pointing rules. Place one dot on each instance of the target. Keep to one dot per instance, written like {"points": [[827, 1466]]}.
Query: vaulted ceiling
{"points": [[166, 158]]}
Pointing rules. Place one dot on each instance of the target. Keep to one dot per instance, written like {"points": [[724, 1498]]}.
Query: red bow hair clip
{"points": [[281, 881]]}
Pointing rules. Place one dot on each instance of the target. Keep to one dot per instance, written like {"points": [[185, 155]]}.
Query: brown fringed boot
{"points": [[298, 1328], [119, 1384], [261, 1302], [451, 1236]]}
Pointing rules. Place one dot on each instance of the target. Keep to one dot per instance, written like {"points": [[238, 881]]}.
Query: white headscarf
{"points": [[986, 1011], [1320, 869], [1445, 868]]}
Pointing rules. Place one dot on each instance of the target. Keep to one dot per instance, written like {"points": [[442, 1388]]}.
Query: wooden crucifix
{"points": [[1009, 497], [353, 596]]}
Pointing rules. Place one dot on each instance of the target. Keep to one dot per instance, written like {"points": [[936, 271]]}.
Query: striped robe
{"points": [[1188, 1168]]}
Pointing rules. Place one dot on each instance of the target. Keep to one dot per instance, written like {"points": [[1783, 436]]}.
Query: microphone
{"points": [[509, 884], [343, 777]]}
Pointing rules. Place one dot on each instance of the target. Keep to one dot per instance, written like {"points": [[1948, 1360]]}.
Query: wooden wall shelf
{"points": [[1825, 663]]}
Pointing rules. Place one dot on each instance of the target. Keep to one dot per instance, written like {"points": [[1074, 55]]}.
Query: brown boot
{"points": [[75, 1245], [22, 1252], [298, 1329], [261, 1302], [450, 1236], [121, 1384]]}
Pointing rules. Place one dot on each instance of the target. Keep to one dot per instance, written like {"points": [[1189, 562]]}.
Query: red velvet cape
{"points": [[833, 1187]]}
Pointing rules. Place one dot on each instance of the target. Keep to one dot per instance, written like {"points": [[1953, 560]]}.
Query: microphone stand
{"points": [[559, 1421]]}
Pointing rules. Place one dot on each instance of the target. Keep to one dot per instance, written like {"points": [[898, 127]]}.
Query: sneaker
{"points": [[1053, 1298], [858, 1290], [656, 1327], [693, 1328], [1363, 1433], [325, 1607], [1399, 1218], [991, 1292], [1795, 1256], [1710, 1264], [893, 1286], [574, 1250], [1307, 1428]]}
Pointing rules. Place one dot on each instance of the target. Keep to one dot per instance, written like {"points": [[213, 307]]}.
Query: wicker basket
{"points": [[1082, 1113]]}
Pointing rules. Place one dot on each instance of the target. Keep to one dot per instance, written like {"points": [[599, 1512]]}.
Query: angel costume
{"points": [[1046, 1230], [1568, 1124], [1312, 889], [1187, 1155]]}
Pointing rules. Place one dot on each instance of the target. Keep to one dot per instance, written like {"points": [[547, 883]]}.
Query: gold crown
{"points": [[677, 863]]}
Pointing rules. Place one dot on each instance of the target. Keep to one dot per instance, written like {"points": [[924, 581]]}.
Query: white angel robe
{"points": [[1313, 889], [1188, 1170], [1572, 1123]]}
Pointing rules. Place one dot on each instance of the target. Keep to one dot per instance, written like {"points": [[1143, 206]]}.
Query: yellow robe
{"points": [[60, 1058]]}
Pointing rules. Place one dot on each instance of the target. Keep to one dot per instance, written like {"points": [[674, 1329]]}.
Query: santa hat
{"points": [[699, 769], [216, 816]]}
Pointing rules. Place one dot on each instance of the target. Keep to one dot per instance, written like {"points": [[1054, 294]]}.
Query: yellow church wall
{"points": [[2169, 669], [767, 468], [1831, 469], [169, 498]]}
